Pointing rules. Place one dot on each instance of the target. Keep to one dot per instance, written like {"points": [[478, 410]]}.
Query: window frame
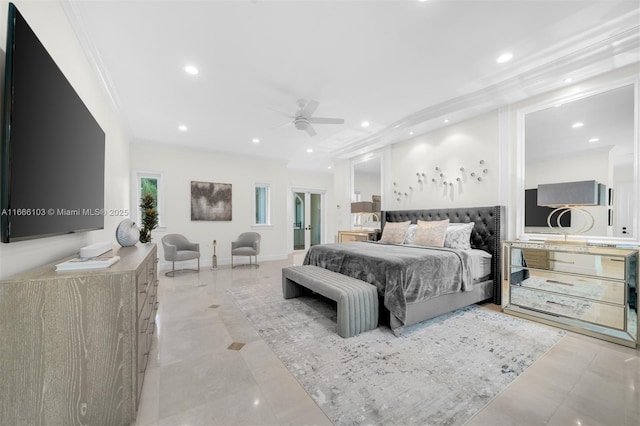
{"points": [[254, 206]]}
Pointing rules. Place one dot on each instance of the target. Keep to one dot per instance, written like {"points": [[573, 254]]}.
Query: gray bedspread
{"points": [[403, 274]]}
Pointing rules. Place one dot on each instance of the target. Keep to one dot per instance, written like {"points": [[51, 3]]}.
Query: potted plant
{"points": [[149, 217]]}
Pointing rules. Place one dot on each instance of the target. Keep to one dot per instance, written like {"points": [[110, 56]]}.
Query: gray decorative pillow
{"points": [[431, 233], [459, 236], [394, 232], [408, 239]]}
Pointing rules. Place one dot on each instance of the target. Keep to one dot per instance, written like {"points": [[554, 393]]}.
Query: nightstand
{"points": [[358, 235]]}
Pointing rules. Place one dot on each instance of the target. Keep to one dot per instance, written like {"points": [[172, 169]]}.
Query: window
{"points": [[262, 204], [148, 183]]}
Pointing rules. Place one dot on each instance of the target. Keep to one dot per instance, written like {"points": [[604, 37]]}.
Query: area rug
{"points": [[439, 372]]}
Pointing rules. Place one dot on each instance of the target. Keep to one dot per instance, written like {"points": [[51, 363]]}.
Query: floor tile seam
{"points": [[204, 404]]}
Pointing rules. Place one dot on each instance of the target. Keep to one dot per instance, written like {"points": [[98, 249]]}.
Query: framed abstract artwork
{"points": [[210, 201]]}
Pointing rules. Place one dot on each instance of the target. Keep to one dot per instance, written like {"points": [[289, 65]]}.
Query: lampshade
{"points": [[582, 193], [362, 207]]}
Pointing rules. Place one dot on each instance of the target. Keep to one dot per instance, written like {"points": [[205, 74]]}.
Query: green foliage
{"points": [[149, 186], [149, 216]]}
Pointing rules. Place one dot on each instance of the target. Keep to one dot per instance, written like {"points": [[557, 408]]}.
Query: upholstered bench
{"points": [[357, 300]]}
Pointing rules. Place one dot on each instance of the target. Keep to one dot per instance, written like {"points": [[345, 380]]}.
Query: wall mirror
{"points": [[591, 136], [366, 186]]}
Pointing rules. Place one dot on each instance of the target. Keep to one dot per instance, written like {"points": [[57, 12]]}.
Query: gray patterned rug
{"points": [[439, 372]]}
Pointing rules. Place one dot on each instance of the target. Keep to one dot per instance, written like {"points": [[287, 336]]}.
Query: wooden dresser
{"points": [[75, 344]]}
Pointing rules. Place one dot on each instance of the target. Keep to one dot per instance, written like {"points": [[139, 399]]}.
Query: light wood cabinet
{"points": [[349, 236], [587, 289], [74, 345]]}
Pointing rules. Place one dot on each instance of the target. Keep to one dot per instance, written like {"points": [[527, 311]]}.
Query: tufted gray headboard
{"points": [[489, 230]]}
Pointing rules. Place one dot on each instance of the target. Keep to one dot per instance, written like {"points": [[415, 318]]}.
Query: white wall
{"points": [[180, 166], [459, 145], [340, 210], [49, 22]]}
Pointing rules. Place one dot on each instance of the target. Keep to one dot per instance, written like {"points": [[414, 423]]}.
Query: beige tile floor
{"points": [[194, 379]]}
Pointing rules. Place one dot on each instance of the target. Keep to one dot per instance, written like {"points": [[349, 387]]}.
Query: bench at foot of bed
{"points": [[357, 300]]}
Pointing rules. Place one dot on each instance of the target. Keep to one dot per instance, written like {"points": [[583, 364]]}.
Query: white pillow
{"points": [[459, 236], [394, 232]]}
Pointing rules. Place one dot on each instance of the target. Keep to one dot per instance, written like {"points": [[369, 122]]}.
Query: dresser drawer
{"points": [[599, 290], [611, 316], [597, 265], [588, 264]]}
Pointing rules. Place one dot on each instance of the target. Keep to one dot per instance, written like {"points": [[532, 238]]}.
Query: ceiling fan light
{"points": [[301, 124]]}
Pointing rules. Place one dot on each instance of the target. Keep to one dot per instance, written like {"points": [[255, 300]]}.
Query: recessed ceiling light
{"points": [[255, 140], [190, 69], [309, 150], [365, 124], [329, 167], [568, 80], [410, 133], [446, 120], [592, 140], [505, 57], [577, 124], [182, 127]]}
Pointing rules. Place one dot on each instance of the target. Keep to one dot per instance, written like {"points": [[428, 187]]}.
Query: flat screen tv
{"points": [[535, 215], [53, 150]]}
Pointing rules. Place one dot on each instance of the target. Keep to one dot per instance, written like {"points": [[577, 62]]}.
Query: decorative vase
{"points": [[127, 233]]}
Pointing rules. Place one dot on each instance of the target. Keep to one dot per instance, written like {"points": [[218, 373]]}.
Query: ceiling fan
{"points": [[303, 117]]}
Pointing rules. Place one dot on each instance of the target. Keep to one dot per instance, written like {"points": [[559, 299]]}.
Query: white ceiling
{"points": [[401, 65]]}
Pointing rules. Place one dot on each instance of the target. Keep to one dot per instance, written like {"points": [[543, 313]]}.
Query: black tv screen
{"points": [[53, 149], [535, 215]]}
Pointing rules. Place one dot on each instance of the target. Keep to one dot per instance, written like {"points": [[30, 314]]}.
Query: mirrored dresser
{"points": [[586, 289]]}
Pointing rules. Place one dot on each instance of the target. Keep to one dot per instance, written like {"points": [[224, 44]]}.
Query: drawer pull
{"points": [[559, 282], [557, 303], [143, 291], [562, 261], [616, 260]]}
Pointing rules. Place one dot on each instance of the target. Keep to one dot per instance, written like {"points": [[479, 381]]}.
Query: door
{"points": [[307, 219]]}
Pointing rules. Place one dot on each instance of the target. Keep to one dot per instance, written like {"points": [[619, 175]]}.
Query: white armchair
{"points": [[176, 249], [247, 244]]}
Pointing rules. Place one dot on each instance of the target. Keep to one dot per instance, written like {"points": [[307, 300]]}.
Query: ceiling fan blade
{"points": [[310, 108], [326, 120], [284, 114], [283, 125], [310, 130]]}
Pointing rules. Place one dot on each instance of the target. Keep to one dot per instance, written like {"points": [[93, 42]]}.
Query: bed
{"points": [[417, 283]]}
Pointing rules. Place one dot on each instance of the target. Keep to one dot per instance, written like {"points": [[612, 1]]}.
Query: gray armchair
{"points": [[247, 244], [176, 249]]}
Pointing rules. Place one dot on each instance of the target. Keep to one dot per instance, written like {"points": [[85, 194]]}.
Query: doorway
{"points": [[308, 211]]}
